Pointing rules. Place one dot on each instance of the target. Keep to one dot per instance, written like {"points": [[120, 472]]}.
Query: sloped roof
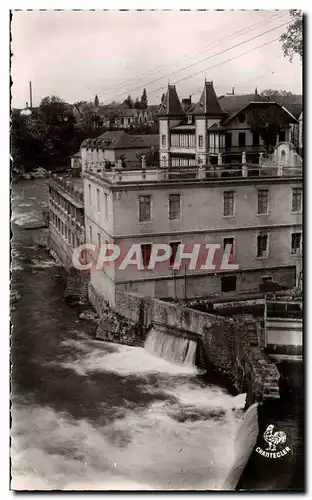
{"points": [[292, 119], [118, 139], [191, 108], [217, 127], [295, 108], [148, 139], [208, 104], [233, 103], [171, 105]]}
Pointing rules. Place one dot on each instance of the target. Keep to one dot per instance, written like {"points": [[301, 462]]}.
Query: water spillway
{"points": [[173, 348]]}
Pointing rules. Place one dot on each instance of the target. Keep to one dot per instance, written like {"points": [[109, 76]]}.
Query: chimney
{"points": [[30, 95], [186, 103]]}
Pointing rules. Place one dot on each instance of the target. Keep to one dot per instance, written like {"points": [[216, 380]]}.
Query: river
{"points": [[92, 415]]}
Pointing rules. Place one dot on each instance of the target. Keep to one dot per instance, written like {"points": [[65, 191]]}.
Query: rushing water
{"points": [[92, 415], [172, 348]]}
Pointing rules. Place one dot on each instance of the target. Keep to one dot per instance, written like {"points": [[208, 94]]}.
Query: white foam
{"points": [[53, 450], [127, 361], [21, 219], [41, 264]]}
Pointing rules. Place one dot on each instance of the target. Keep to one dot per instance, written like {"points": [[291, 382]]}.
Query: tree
{"points": [[292, 39], [27, 142], [137, 104], [268, 121], [151, 157], [96, 100], [61, 137], [279, 96], [128, 102], [144, 100], [46, 138]]}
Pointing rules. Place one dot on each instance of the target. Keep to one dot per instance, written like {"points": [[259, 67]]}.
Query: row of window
{"points": [[228, 204], [145, 207], [188, 140], [59, 201], [182, 140], [263, 244], [262, 247], [59, 225]]}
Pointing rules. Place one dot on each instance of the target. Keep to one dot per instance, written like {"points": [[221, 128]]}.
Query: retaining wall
{"points": [[230, 345]]}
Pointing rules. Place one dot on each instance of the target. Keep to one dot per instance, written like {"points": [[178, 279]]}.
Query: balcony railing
{"points": [[247, 149], [68, 186], [198, 172]]}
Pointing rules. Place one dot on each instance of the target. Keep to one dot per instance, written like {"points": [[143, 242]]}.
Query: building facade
{"points": [[66, 217], [206, 134], [258, 212], [112, 146]]}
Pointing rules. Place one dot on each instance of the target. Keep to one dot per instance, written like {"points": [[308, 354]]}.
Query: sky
{"points": [[77, 54]]}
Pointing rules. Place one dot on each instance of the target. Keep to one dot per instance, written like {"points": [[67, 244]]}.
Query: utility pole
{"points": [[175, 284], [185, 294], [30, 96]]}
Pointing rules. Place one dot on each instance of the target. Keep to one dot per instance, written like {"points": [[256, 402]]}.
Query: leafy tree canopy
{"points": [[128, 102], [268, 121], [292, 39]]}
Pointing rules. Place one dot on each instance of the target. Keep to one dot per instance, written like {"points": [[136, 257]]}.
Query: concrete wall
{"points": [[202, 286], [104, 217], [58, 244], [197, 203]]}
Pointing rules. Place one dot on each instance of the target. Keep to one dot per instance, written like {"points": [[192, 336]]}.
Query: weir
{"points": [[170, 347]]}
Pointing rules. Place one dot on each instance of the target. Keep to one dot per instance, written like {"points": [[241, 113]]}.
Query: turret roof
{"points": [[208, 104], [171, 105]]}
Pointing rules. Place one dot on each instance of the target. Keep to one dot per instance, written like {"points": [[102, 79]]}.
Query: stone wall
{"points": [[151, 310], [77, 284], [231, 346], [115, 327]]}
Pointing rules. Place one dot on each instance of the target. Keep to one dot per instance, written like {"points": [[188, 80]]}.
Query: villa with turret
{"points": [[206, 134]]}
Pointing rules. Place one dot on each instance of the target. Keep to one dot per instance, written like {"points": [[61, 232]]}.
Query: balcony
{"points": [[245, 149], [71, 186]]}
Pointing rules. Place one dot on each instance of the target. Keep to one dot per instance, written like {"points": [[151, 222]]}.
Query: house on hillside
{"points": [[233, 103], [206, 134], [117, 145]]}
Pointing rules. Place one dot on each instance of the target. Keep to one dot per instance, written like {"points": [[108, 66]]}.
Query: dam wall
{"points": [[230, 346]]}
